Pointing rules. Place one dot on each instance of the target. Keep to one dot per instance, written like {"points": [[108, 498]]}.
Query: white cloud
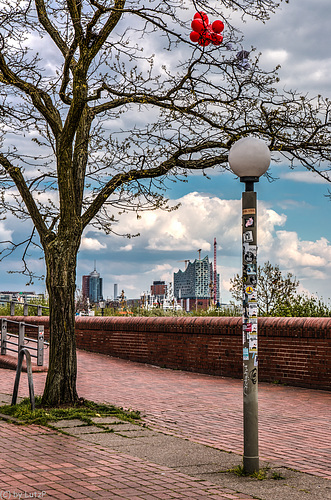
{"points": [[193, 226], [275, 57], [5, 234], [91, 244], [314, 74], [311, 256], [289, 204], [267, 221], [307, 177], [301, 47], [161, 268], [126, 248]]}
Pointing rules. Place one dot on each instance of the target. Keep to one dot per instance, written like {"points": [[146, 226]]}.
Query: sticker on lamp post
{"points": [[252, 343], [249, 222], [252, 311], [253, 280], [248, 236], [251, 268]]}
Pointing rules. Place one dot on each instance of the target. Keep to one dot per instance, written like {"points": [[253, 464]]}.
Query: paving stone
{"points": [[62, 424], [85, 429], [108, 420]]}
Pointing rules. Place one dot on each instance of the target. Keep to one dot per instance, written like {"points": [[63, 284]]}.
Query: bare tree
{"points": [[110, 121]]}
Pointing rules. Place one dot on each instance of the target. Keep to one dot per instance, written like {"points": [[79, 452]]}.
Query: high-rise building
{"points": [[86, 286], [95, 287], [92, 286], [196, 282]]}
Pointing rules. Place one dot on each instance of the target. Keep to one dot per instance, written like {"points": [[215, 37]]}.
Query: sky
{"points": [[293, 210]]}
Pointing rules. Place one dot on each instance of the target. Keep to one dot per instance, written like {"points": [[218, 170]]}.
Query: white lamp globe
{"points": [[249, 157]]}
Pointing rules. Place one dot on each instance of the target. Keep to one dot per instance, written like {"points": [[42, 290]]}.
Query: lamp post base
{"points": [[251, 464]]}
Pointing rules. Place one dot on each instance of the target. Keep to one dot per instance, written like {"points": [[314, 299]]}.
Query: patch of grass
{"points": [[83, 410], [277, 476], [259, 475], [238, 471]]}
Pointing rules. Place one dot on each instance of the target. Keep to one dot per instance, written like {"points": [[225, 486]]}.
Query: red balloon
{"points": [[203, 32], [217, 39], [208, 33], [197, 25], [217, 26], [201, 15], [194, 36], [204, 42]]}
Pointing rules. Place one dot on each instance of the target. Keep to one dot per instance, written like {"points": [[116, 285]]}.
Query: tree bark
{"points": [[61, 257]]}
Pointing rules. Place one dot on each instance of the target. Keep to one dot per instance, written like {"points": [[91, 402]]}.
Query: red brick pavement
{"points": [[294, 423], [39, 463]]}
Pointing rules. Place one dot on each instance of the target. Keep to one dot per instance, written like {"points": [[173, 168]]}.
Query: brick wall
{"points": [[295, 351]]}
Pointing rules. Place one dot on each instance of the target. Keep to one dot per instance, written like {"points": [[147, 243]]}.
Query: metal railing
{"points": [[18, 376], [25, 305], [16, 342]]}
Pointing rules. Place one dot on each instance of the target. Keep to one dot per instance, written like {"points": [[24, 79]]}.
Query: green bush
{"points": [[302, 306], [32, 311]]}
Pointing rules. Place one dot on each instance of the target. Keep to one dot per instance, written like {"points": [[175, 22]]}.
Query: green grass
{"points": [[84, 410], [260, 475], [276, 476], [238, 471]]}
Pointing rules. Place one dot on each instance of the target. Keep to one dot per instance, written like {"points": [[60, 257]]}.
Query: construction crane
{"points": [[215, 272]]}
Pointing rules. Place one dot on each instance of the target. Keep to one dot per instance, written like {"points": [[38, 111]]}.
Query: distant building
{"points": [[159, 289], [92, 286], [21, 296], [194, 286], [95, 287], [86, 286]]}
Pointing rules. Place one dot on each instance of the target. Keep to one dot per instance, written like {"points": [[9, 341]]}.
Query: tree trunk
{"points": [[61, 256]]}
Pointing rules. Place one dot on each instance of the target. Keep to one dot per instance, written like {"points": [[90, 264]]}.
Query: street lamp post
{"points": [[249, 158], [102, 306]]}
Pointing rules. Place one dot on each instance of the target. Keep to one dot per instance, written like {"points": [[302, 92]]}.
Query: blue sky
{"points": [[294, 211]]}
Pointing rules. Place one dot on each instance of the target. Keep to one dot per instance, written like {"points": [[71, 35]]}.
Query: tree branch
{"points": [[161, 170], [50, 28], [116, 13], [16, 175], [39, 98], [13, 246]]}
